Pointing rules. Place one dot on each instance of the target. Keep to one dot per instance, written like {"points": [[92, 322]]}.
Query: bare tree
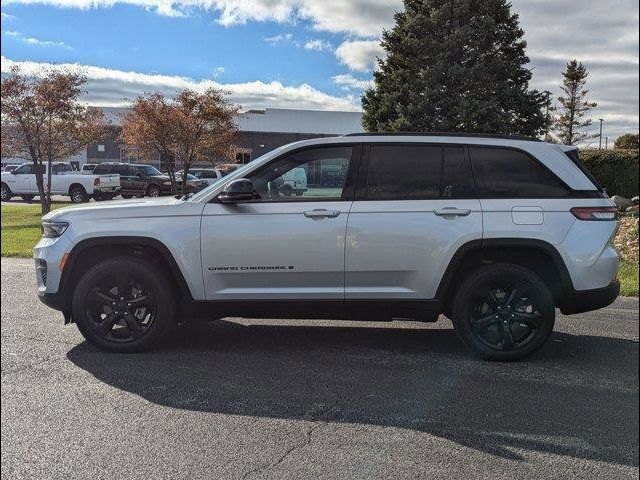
{"points": [[43, 121]]}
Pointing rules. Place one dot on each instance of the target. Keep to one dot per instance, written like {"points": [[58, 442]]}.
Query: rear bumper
{"points": [[588, 300]]}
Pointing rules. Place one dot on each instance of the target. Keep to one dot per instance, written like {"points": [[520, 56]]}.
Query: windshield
{"points": [[149, 170], [239, 173]]}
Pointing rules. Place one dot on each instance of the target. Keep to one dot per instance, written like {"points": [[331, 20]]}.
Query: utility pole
{"points": [[600, 137], [606, 143]]}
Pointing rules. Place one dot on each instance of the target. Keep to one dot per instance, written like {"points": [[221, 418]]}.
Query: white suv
{"points": [[493, 232]]}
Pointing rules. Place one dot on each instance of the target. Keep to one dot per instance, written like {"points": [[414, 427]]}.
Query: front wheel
{"points": [[153, 191], [503, 312], [124, 305], [6, 192]]}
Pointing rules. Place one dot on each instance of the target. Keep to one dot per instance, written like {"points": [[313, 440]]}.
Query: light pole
{"points": [[600, 144]]}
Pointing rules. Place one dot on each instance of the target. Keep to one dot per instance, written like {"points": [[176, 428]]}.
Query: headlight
{"points": [[53, 229], [166, 184]]}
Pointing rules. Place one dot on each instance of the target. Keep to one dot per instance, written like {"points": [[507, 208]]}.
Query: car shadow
{"points": [[577, 397]]}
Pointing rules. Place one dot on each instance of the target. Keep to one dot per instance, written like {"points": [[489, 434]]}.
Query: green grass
{"points": [[628, 278], [21, 231]]}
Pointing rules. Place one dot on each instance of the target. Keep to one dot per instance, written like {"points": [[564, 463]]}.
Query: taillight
{"points": [[96, 182], [594, 213]]}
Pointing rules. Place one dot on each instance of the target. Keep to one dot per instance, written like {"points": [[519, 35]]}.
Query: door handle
{"points": [[321, 213], [452, 212]]}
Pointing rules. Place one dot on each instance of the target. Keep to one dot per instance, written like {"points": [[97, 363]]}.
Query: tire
{"points": [[153, 191], [78, 194], [102, 197], [503, 312], [5, 192], [27, 198], [102, 310], [287, 190], [126, 196]]}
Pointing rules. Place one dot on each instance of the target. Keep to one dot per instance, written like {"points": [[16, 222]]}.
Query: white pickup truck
{"points": [[64, 181]]}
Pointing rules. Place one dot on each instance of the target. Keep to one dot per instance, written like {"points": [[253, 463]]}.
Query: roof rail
{"points": [[445, 134]]}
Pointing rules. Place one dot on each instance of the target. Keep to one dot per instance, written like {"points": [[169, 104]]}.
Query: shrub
{"points": [[616, 170]]}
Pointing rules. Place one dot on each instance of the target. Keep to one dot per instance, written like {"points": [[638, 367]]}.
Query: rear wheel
{"points": [[124, 305], [78, 194], [101, 197], [503, 312], [6, 192]]}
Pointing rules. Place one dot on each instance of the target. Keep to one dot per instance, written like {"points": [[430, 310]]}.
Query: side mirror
{"points": [[237, 191]]}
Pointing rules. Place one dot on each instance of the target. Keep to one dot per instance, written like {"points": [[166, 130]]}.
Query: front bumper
{"points": [[587, 300]]}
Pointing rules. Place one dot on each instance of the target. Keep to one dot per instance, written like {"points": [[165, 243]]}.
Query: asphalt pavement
{"points": [[247, 399]]}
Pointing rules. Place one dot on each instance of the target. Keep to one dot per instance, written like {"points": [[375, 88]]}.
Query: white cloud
{"points": [[35, 41], [348, 82], [359, 55], [108, 87], [6, 17], [218, 72], [318, 45], [280, 38]]}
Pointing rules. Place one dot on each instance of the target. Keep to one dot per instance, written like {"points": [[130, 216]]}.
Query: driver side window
{"points": [[314, 174], [24, 169]]}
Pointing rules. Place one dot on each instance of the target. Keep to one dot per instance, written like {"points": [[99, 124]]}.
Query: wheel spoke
{"points": [[138, 301], [506, 337], [134, 326], [102, 298], [107, 323], [483, 323], [124, 286], [530, 319], [494, 301]]}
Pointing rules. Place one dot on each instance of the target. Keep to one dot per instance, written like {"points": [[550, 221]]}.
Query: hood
{"points": [[122, 209]]}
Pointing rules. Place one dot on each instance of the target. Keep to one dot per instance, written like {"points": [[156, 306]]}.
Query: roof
{"points": [[280, 120]]}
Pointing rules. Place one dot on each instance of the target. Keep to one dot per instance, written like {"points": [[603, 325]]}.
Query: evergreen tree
{"points": [[574, 107], [454, 66], [628, 141]]}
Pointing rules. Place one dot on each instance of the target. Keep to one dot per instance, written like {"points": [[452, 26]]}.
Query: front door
{"points": [[415, 207], [23, 179], [288, 244]]}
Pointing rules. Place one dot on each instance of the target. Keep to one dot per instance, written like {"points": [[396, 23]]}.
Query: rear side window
{"points": [[404, 172], [503, 172], [457, 179]]}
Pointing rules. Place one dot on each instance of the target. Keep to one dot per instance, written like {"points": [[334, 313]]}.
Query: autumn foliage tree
{"points": [[43, 121], [188, 128]]}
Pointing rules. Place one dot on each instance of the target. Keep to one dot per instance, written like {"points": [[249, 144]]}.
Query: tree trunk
{"points": [[48, 193], [44, 206]]}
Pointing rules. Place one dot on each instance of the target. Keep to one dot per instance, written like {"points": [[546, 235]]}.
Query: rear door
{"points": [[415, 206]]}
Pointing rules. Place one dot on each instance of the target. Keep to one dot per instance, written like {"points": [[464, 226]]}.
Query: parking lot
{"points": [[298, 399]]}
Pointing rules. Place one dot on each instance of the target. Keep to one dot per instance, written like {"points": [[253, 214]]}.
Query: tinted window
{"points": [[149, 170], [457, 181], [61, 168], [102, 169], [509, 173], [404, 172], [313, 174]]}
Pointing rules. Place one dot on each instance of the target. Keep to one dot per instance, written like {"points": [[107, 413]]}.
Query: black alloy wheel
{"points": [[121, 308], [503, 312], [124, 304]]}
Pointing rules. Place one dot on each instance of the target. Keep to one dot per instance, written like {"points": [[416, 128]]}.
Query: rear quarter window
{"points": [[102, 169], [502, 172]]}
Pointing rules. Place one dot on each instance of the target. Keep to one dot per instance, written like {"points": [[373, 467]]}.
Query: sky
{"points": [[308, 54]]}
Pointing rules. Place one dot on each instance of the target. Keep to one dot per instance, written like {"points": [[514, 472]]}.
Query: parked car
{"points": [[494, 232], [294, 182], [10, 167], [210, 175], [226, 168], [194, 184], [136, 180], [64, 181], [88, 168]]}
